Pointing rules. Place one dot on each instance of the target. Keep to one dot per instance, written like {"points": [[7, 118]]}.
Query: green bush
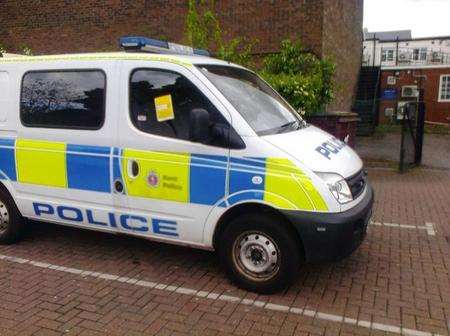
{"points": [[303, 79], [24, 48]]}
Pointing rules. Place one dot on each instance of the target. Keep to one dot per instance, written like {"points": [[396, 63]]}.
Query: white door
{"points": [[170, 183]]}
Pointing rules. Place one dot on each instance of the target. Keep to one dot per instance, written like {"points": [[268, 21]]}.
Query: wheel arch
{"points": [[9, 191], [254, 207]]}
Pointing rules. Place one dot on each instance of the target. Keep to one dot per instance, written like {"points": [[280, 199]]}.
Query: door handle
{"points": [[133, 169]]}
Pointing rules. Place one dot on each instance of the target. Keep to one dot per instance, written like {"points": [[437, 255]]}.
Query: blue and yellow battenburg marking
{"points": [[168, 176], [7, 160]]}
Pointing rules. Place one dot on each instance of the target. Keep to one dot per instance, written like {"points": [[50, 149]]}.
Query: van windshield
{"points": [[262, 107]]}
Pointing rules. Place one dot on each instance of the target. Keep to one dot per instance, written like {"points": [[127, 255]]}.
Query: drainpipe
{"points": [[374, 47], [374, 51], [396, 53]]}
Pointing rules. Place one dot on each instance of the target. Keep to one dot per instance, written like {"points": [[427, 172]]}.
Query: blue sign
{"points": [[389, 94]]}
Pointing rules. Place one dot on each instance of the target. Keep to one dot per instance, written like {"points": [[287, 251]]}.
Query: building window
{"points": [[391, 80], [444, 89], [387, 55], [420, 54], [161, 102], [63, 99]]}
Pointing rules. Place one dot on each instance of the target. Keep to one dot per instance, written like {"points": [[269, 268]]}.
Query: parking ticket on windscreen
{"points": [[164, 108]]}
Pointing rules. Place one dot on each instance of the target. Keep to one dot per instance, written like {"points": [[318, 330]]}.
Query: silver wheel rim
{"points": [[256, 255], [4, 218]]}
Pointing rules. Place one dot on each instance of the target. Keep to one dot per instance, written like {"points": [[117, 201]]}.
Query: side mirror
{"points": [[199, 125]]}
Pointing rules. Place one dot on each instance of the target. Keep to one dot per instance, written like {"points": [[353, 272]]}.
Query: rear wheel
{"points": [[260, 253], [12, 224]]}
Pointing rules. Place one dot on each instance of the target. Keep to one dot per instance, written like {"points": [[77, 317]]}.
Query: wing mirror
{"points": [[199, 125]]}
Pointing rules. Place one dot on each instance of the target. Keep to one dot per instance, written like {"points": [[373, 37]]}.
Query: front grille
{"points": [[357, 183]]}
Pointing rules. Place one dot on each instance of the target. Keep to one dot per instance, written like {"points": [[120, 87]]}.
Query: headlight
{"points": [[338, 187]]}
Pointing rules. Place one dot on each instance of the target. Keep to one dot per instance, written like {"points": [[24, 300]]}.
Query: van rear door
{"points": [[65, 136]]}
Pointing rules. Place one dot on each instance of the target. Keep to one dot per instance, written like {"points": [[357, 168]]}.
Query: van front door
{"points": [[166, 185]]}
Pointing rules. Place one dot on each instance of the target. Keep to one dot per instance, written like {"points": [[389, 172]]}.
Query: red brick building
{"points": [[411, 69], [331, 28], [433, 87]]}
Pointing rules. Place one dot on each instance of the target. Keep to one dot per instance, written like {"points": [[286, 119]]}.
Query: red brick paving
{"points": [[398, 277]]}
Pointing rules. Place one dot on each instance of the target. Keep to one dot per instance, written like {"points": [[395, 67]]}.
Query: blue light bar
{"points": [[141, 43], [138, 42], [202, 52]]}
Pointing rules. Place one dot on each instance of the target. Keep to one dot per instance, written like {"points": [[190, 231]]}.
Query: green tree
{"points": [[203, 31], [305, 80]]}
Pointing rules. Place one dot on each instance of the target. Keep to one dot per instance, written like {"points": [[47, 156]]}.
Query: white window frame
{"points": [[385, 54], [441, 92], [391, 80], [420, 54]]}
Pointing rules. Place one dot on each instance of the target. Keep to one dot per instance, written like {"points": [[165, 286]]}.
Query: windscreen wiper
{"points": [[291, 124]]}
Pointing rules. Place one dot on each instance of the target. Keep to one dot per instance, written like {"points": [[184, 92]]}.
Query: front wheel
{"points": [[12, 224], [260, 253]]}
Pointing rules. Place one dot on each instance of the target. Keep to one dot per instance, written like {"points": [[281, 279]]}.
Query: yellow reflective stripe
{"points": [[170, 171], [314, 195], [98, 57], [41, 162], [287, 187]]}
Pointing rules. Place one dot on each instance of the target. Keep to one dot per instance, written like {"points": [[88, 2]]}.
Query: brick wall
{"points": [[342, 42], [428, 80], [67, 26]]}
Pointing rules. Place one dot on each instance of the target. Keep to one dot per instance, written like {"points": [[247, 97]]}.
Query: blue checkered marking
{"points": [[117, 174], [116, 164], [242, 172], [88, 168], [7, 160], [207, 178]]}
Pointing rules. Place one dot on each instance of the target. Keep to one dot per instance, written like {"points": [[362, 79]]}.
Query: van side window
{"points": [[63, 99], [161, 102]]}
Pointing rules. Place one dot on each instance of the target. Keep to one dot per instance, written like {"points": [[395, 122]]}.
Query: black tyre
{"points": [[12, 224], [260, 253]]}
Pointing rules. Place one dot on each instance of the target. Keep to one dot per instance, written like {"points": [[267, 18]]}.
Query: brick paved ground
{"points": [[399, 277], [386, 148]]}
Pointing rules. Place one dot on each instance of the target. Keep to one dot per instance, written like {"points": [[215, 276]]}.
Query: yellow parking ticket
{"points": [[164, 108]]}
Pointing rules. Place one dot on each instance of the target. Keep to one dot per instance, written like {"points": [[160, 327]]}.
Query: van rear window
{"points": [[63, 99]]}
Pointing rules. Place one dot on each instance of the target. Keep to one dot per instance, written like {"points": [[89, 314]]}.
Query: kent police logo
{"points": [[153, 179]]}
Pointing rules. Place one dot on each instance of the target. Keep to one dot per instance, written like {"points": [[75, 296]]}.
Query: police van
{"points": [[163, 142]]}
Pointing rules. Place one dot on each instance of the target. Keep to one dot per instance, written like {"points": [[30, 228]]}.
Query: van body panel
{"points": [[318, 150]]}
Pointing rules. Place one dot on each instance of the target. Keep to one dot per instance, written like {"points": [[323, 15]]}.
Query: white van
{"points": [[182, 149]]}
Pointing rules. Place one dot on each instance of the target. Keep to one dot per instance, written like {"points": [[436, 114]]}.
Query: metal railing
{"points": [[407, 57]]}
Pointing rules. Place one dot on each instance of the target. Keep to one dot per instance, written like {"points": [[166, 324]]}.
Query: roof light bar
{"points": [[141, 43]]}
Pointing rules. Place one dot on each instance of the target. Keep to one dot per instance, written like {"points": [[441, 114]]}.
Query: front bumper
{"points": [[333, 236]]}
